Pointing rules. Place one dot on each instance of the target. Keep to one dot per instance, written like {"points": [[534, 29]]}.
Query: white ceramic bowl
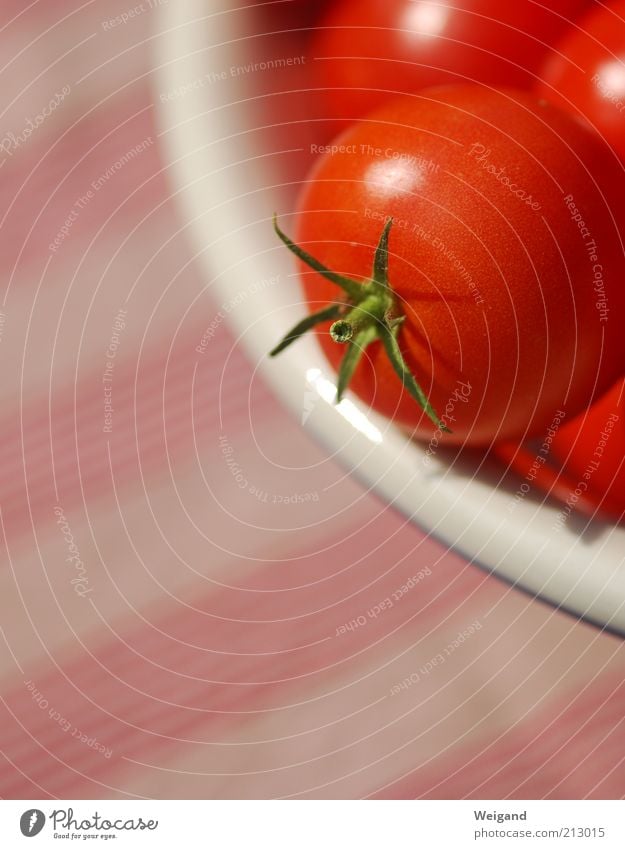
{"points": [[237, 149]]}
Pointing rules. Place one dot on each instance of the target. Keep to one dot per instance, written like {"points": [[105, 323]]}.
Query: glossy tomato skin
{"points": [[365, 51], [582, 464], [490, 268], [591, 450], [586, 73], [292, 14]]}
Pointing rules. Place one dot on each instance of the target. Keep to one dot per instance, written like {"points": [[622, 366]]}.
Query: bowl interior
{"points": [[239, 123]]}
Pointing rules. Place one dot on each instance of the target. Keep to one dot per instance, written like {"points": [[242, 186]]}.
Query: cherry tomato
{"points": [[505, 262], [366, 50], [290, 14], [581, 463], [586, 72]]}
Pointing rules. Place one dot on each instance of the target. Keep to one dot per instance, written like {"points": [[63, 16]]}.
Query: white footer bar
{"points": [[315, 824]]}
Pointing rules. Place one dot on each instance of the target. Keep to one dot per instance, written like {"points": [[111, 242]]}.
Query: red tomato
{"points": [[581, 463], [511, 309], [290, 14], [586, 72], [366, 50]]}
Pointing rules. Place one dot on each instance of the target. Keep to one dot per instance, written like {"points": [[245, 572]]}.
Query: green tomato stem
{"points": [[326, 314], [371, 310], [352, 288], [370, 314], [355, 350]]}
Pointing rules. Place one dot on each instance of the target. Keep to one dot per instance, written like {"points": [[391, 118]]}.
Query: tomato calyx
{"points": [[368, 314]]}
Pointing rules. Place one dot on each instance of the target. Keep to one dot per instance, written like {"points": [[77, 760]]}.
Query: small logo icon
{"points": [[32, 821]]}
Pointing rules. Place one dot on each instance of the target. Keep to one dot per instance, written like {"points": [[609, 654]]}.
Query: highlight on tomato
{"points": [[461, 258], [585, 73]]}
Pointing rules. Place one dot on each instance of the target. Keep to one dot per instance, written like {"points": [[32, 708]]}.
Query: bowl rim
{"points": [[590, 591]]}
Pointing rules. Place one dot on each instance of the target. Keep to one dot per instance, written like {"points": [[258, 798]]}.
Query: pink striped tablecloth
{"points": [[196, 601]]}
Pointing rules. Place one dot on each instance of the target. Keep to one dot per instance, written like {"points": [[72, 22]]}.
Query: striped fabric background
{"points": [[200, 603]]}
